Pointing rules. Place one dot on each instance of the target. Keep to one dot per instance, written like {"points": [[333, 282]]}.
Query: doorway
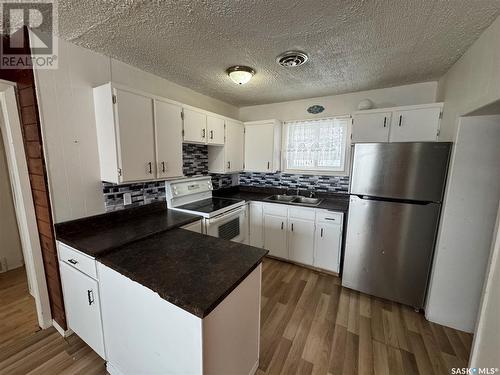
{"points": [[22, 200]]}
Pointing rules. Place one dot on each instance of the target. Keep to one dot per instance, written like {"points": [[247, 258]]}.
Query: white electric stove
{"points": [[222, 217]]}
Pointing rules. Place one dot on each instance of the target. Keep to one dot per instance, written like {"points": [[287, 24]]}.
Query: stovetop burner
{"points": [[209, 205]]}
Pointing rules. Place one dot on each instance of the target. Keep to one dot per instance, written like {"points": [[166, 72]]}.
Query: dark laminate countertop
{"points": [[193, 271], [331, 201], [97, 235]]}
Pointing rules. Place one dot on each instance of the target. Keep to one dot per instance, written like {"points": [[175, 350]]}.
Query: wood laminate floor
{"points": [[310, 325]]}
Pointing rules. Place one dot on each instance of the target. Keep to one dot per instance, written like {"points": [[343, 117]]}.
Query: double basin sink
{"points": [[295, 199]]}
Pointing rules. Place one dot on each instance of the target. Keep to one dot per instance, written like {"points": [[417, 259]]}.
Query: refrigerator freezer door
{"points": [[389, 248], [409, 171]]}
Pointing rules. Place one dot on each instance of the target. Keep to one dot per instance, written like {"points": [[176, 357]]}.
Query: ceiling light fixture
{"points": [[240, 74]]}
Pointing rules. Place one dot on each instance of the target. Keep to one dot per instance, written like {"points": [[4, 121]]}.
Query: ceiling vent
{"points": [[292, 59]]}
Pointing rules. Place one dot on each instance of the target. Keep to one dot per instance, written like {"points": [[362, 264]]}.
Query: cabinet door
{"points": [[168, 124], [81, 300], [136, 136], [215, 131], [371, 127], [275, 228], [195, 126], [259, 147], [416, 125], [327, 245], [235, 133], [256, 235], [301, 241]]}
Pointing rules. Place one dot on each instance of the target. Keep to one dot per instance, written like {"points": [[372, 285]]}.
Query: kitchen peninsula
{"points": [[185, 302]]}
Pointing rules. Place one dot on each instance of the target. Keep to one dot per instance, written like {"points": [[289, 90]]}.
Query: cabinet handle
{"points": [[211, 134], [385, 122], [203, 133], [281, 225], [228, 165], [329, 218], [90, 296], [400, 119], [292, 227], [163, 169], [150, 170], [72, 261], [268, 165], [321, 232]]}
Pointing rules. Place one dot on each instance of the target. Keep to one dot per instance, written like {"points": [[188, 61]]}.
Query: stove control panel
{"points": [[191, 186]]}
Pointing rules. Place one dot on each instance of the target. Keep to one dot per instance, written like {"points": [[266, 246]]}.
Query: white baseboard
{"points": [[254, 368], [59, 329], [112, 369]]}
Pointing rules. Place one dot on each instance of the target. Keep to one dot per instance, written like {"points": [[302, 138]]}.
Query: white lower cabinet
{"points": [[275, 228], [255, 224], [304, 235], [301, 241], [328, 241], [82, 303]]}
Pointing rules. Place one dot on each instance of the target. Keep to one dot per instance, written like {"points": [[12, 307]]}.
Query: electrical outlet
{"points": [[127, 199]]}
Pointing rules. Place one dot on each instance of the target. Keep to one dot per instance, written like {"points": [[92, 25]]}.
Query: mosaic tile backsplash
{"points": [[195, 163], [330, 184]]}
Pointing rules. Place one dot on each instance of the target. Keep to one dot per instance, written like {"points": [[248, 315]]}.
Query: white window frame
{"points": [[318, 172]]}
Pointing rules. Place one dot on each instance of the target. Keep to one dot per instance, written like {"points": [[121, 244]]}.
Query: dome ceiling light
{"points": [[292, 59], [240, 74]]}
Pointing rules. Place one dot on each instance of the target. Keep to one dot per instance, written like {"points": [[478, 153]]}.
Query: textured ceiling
{"points": [[353, 45]]}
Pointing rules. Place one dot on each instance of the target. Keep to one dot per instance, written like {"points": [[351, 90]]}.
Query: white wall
{"points": [[472, 82], [419, 93], [467, 222], [68, 124], [486, 344], [10, 243]]}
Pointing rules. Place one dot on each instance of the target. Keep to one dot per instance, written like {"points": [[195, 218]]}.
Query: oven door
{"points": [[231, 225]]}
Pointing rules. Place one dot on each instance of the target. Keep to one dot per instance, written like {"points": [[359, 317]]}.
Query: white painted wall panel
{"points": [[472, 82], [467, 222]]}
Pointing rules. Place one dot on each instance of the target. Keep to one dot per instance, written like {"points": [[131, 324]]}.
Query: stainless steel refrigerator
{"points": [[396, 194]]}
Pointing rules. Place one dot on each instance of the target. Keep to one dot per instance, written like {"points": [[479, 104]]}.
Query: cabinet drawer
{"points": [[333, 217], [78, 260], [302, 213], [275, 209]]}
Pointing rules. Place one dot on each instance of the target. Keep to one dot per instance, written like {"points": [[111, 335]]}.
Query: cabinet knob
{"points": [[90, 296]]}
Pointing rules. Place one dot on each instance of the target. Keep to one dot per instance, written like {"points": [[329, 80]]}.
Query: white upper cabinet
{"points": [[168, 128], [195, 126], [125, 134], [371, 127], [419, 123], [215, 130], [262, 146], [235, 133], [228, 158], [415, 125]]}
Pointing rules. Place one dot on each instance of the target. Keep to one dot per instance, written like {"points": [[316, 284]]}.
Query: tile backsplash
{"points": [[331, 184], [195, 159]]}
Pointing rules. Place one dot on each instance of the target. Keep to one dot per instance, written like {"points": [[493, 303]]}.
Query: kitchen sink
{"points": [[305, 200], [294, 199], [281, 198]]}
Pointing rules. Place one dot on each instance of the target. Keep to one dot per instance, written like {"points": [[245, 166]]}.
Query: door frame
{"points": [[10, 126]]}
